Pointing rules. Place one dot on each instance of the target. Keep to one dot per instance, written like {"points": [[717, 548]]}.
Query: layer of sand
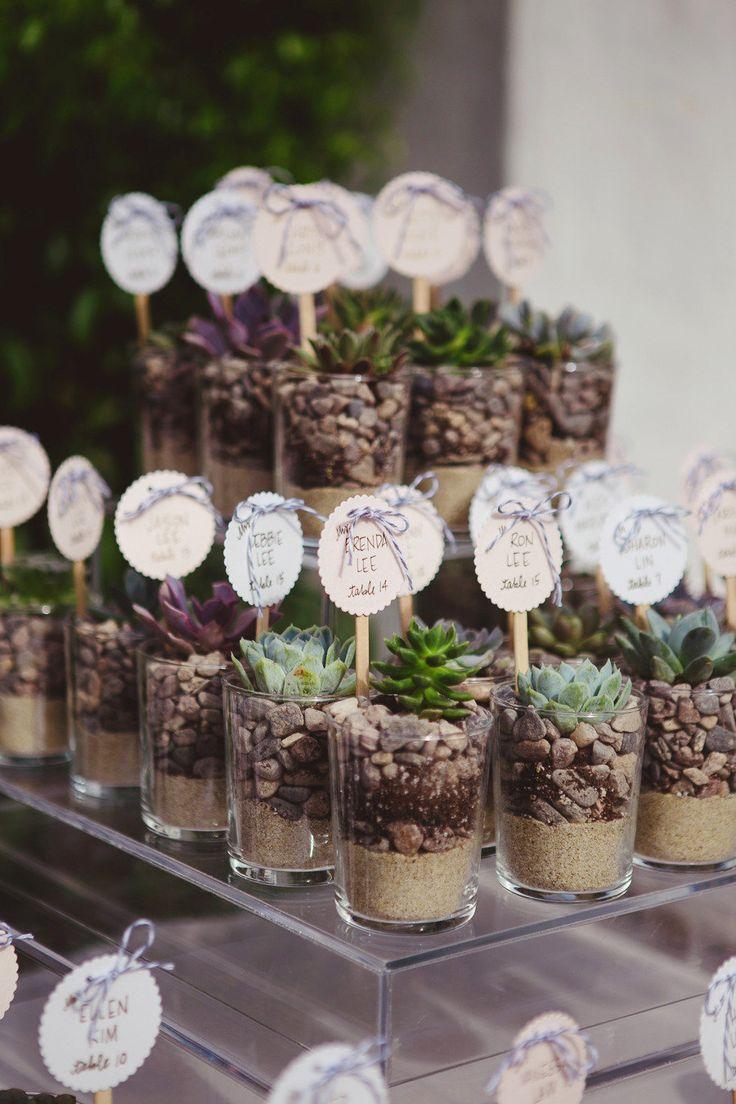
{"points": [[322, 499], [198, 804], [172, 453], [107, 758], [232, 483], [263, 838], [676, 828], [32, 727], [574, 858], [457, 485]]}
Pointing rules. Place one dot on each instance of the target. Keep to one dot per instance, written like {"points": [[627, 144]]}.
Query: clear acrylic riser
{"points": [[262, 974]]}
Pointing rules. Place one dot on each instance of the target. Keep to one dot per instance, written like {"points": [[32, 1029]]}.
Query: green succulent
{"points": [[37, 579], [298, 663], [454, 335], [569, 632], [690, 649], [482, 643], [570, 336], [570, 693], [426, 672], [377, 308], [371, 352]]}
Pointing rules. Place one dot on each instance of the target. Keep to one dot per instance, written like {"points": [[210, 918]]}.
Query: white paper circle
{"points": [[374, 577], [423, 544], [295, 1084], [217, 245], [717, 1027], [698, 468], [514, 234], [649, 567], [8, 976], [138, 243], [592, 500], [76, 513], [469, 253], [172, 537], [371, 267], [515, 574], [302, 250], [277, 552], [538, 1076], [503, 481], [250, 182], [716, 536], [123, 1035], [421, 233], [24, 476]]}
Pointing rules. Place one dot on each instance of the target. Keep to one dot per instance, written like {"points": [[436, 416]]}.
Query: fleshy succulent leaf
{"points": [[427, 672]]}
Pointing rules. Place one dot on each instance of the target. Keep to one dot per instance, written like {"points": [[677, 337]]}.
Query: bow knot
{"points": [[390, 522], [404, 198], [125, 209], [186, 488], [356, 1063], [329, 219], [665, 519], [713, 502], [242, 213], [721, 996], [89, 480], [570, 1062], [708, 463], [536, 515], [8, 937], [247, 514], [414, 495]]}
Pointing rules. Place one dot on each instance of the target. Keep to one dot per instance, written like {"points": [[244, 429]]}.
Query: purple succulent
{"points": [[188, 625], [263, 326]]}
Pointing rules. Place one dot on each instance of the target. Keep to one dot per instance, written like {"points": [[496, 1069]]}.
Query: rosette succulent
{"points": [[483, 644], [264, 327], [370, 352], [454, 335], [297, 663], [571, 336], [569, 694], [425, 675], [189, 626], [569, 632], [690, 649], [376, 308]]}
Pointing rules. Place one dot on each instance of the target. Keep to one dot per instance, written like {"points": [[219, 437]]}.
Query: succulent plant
{"points": [[570, 336], [376, 308], [36, 579], [425, 675], [569, 632], [298, 663], [454, 335], [690, 649], [188, 626], [263, 326], [482, 643], [570, 693], [371, 352]]}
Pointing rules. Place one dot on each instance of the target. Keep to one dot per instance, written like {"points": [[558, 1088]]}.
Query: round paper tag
{"points": [[716, 505], [647, 566], [8, 976], [423, 543], [76, 508], [718, 1026], [515, 572], [90, 1055], [276, 552], [420, 221], [304, 1080], [698, 468], [501, 481], [216, 242], [138, 243], [468, 254], [594, 490], [300, 238], [24, 476], [540, 1075], [370, 267], [514, 235], [250, 182], [171, 535], [372, 578]]}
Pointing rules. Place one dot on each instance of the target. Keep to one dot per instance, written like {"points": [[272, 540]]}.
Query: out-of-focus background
{"points": [[622, 113]]}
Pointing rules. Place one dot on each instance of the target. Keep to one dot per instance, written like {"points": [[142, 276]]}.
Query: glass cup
{"points": [[182, 746], [567, 410], [33, 720], [566, 799], [408, 800], [167, 380], [278, 787], [687, 808]]}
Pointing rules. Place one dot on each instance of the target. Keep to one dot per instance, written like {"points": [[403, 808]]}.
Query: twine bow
{"points": [[536, 515], [722, 994], [507, 481], [533, 204], [14, 450], [404, 198], [242, 213], [88, 480], [415, 496], [185, 488], [328, 218], [713, 502], [391, 523], [96, 989], [570, 1062], [665, 520], [247, 514], [604, 472], [708, 463], [123, 210], [8, 937], [361, 1058]]}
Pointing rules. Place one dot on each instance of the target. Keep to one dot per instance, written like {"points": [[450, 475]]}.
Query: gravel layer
{"points": [[571, 858], [676, 828]]}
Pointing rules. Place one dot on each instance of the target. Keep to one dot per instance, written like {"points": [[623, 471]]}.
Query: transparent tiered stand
{"points": [[260, 975]]}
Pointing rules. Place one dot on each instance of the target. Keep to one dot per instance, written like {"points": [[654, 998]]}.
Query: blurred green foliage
{"points": [[164, 96]]}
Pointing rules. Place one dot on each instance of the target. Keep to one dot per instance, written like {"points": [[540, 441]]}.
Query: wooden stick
{"points": [[362, 656], [421, 295], [521, 644], [227, 306], [262, 621], [104, 1096], [707, 579], [513, 295], [307, 319], [80, 587], [143, 317], [435, 297], [605, 597], [510, 629], [731, 601], [640, 616], [7, 547], [406, 611]]}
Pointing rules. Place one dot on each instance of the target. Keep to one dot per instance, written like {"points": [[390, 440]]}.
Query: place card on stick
{"points": [[371, 267], [362, 567], [500, 482], [549, 1060], [515, 238], [76, 513], [718, 1028], [25, 472], [247, 180], [8, 966], [334, 1073], [715, 518], [217, 244]]}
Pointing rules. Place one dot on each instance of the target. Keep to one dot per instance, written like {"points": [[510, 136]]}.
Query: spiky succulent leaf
{"points": [[456, 336], [375, 308], [690, 649], [569, 632], [371, 352], [427, 670], [570, 336]]}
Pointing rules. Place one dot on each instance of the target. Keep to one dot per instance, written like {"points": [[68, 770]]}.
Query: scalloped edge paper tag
{"points": [[252, 183], [123, 1036], [25, 472], [699, 466], [374, 579], [8, 976], [278, 552], [300, 1081], [538, 1076], [423, 543], [173, 537], [718, 1027], [650, 567], [514, 241], [717, 537], [515, 574], [217, 242], [499, 482], [138, 243], [371, 267], [77, 532], [591, 501], [421, 236]]}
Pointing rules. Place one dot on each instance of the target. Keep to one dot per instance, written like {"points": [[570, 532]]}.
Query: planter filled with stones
{"points": [[103, 707], [167, 374], [566, 777]]}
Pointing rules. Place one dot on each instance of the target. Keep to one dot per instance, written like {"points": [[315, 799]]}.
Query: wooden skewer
{"points": [[262, 622], [362, 656], [227, 306], [513, 294], [80, 587], [104, 1096], [640, 616], [421, 295], [307, 319], [521, 644], [731, 601], [406, 611], [143, 317], [435, 297], [7, 547], [605, 598]]}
